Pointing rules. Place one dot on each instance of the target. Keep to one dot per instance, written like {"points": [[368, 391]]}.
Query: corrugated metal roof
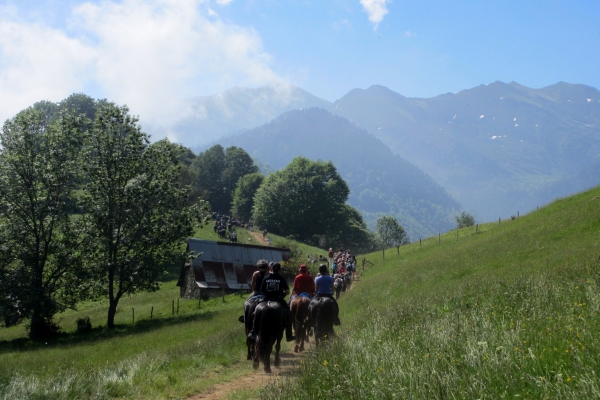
{"points": [[229, 265]]}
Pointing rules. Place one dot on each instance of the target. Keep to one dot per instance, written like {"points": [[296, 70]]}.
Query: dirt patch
{"points": [[253, 380]]}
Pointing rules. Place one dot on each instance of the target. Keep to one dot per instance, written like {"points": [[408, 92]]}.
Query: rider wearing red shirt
{"points": [[303, 282]]}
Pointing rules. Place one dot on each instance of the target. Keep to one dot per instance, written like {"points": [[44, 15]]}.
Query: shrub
{"points": [[84, 325], [464, 220]]}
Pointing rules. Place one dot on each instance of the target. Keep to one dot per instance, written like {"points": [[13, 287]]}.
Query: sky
{"points": [[154, 54]]}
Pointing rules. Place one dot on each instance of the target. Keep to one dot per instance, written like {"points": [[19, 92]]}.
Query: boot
{"points": [[289, 336]]}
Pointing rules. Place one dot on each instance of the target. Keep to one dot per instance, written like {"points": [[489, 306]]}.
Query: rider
{"points": [[324, 286], [274, 287], [258, 276], [303, 283]]}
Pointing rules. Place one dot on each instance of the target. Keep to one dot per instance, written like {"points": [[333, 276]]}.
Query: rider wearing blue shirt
{"points": [[324, 284]]}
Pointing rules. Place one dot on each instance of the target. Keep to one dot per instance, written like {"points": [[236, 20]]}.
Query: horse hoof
{"points": [[267, 371], [301, 348], [255, 365], [296, 349]]}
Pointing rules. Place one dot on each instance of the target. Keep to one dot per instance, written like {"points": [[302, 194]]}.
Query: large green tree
{"points": [[41, 241], [303, 199], [243, 196], [218, 171], [390, 233], [136, 209]]}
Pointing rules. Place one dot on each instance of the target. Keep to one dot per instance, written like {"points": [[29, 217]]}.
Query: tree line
{"points": [[90, 208]]}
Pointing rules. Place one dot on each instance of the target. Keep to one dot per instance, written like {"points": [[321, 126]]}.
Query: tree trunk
{"points": [[112, 310]]}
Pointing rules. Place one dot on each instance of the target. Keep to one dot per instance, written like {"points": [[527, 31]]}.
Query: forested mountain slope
{"points": [[380, 182]]}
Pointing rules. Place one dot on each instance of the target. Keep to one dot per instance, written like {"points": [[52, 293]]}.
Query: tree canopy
{"points": [[303, 199], [390, 233], [218, 172], [243, 196], [136, 210], [41, 244]]}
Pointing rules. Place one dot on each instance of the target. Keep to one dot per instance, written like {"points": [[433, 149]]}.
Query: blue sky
{"points": [[153, 54]]}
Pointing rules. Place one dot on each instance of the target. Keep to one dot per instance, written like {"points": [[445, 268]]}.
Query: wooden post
{"points": [[420, 245], [439, 238], [132, 315], [199, 300], [498, 219], [151, 312], [517, 214], [223, 294], [477, 228], [177, 306], [173, 308]]}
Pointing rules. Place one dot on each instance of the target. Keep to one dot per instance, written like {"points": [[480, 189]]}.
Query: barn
{"points": [[223, 266]]}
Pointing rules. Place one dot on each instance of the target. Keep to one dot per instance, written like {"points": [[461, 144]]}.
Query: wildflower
{"points": [[568, 379], [566, 351], [325, 363]]}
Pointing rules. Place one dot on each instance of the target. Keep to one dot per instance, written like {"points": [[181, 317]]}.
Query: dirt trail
{"points": [[253, 380]]}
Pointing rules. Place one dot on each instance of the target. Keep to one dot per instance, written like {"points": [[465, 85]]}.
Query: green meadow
{"points": [[509, 311], [163, 347]]}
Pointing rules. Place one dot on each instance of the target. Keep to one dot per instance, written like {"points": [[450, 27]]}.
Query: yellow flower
{"points": [[325, 363], [566, 351], [568, 379]]}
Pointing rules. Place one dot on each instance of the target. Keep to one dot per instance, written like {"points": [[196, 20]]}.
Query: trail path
{"points": [[253, 380]]}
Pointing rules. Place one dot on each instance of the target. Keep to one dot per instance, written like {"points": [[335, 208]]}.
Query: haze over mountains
{"points": [[498, 149], [380, 182]]}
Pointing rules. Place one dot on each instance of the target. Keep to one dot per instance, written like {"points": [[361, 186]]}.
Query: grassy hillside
{"points": [[509, 312], [168, 356]]}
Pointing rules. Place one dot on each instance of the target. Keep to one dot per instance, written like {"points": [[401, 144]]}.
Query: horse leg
{"points": [[256, 362], [303, 336], [277, 348], [267, 361]]}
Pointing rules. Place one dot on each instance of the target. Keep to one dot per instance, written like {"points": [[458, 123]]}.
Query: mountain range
{"points": [[498, 149], [380, 182]]}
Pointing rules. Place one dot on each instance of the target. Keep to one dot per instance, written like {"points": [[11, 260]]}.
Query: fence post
{"points": [[173, 308], [223, 294], [151, 312], [498, 219], [177, 306], [439, 238], [420, 245], [132, 315], [477, 228], [517, 214]]}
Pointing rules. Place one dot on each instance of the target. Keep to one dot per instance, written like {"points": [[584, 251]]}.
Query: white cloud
{"points": [[410, 34], [375, 9], [150, 55]]}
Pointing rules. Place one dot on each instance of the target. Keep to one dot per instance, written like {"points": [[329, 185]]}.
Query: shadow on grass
{"points": [[102, 333]]}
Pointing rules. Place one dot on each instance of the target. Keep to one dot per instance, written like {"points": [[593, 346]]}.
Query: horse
{"points": [[271, 324], [322, 314], [247, 319], [299, 307], [338, 285], [347, 281]]}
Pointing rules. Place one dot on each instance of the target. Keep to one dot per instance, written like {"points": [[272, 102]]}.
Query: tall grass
{"points": [[510, 312]]}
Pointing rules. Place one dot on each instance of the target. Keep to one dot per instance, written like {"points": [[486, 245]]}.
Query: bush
{"points": [[464, 220], [84, 325]]}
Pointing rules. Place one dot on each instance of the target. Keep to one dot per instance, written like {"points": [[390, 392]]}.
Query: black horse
{"points": [[248, 319], [322, 316], [270, 323]]}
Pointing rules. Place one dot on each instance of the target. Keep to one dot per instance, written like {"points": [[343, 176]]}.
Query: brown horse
{"points": [[299, 307]]}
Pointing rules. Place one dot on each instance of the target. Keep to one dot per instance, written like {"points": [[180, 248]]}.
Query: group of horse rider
{"points": [[268, 283]]}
